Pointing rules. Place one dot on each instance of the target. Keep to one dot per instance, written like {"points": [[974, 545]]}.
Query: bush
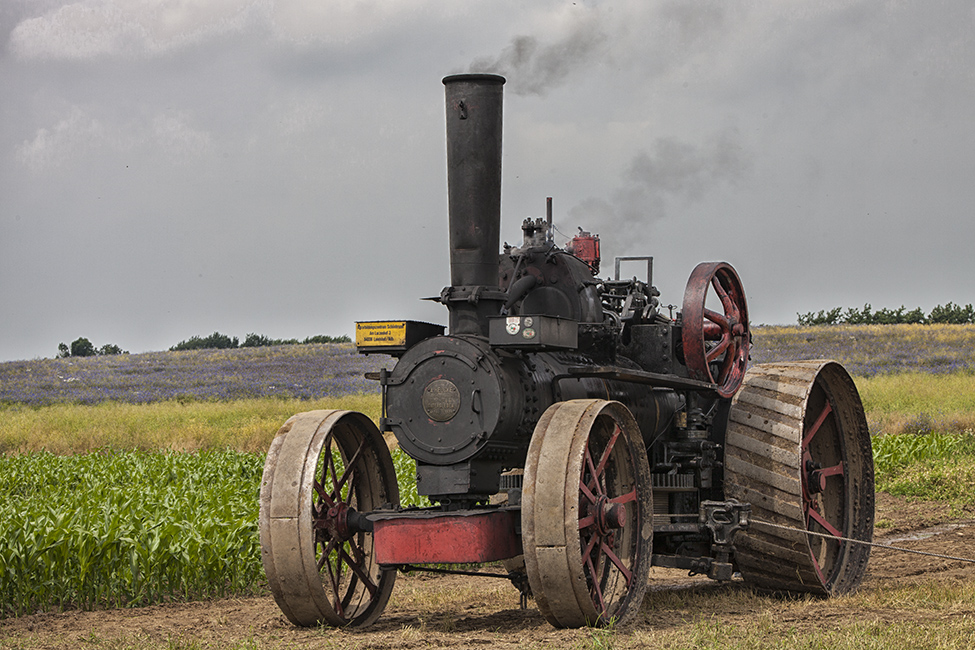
{"points": [[854, 316], [915, 317], [822, 318], [256, 341], [221, 341], [322, 338], [950, 314], [215, 341], [82, 347], [259, 340]]}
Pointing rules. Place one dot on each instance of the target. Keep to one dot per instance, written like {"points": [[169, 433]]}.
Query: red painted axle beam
{"points": [[446, 538]]}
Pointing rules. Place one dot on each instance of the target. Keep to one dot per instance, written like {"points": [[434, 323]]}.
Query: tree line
{"points": [[950, 313], [220, 341], [82, 347]]}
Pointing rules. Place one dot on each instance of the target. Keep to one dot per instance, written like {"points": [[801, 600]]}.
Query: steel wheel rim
{"points": [[798, 450], [323, 468], [825, 502], [586, 514]]}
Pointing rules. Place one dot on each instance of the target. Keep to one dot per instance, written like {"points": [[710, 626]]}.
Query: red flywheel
{"points": [[716, 342]]}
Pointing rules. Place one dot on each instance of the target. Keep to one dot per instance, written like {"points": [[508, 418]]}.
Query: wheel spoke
{"points": [[335, 577], [591, 544], [350, 466], [819, 569], [330, 463], [357, 552], [719, 288], [712, 331], [625, 498], [728, 297], [588, 493], [327, 452], [608, 552], [730, 358], [326, 551], [716, 351], [814, 429], [594, 479], [835, 470], [324, 496], [594, 580], [352, 564], [719, 319], [609, 450], [819, 519]]}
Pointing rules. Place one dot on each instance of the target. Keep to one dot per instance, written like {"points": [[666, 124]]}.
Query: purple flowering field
{"points": [[870, 350], [293, 371], [335, 369]]}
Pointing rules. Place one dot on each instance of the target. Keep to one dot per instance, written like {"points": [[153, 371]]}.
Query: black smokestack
{"points": [[474, 177]]}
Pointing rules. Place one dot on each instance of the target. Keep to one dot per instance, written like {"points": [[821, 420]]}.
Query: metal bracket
{"points": [[724, 519], [639, 258]]}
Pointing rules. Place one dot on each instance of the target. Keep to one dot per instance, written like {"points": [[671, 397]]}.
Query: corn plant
{"points": [[113, 528], [893, 452], [125, 529]]}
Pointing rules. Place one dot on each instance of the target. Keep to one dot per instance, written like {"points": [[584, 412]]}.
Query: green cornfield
{"points": [[129, 528], [118, 529]]}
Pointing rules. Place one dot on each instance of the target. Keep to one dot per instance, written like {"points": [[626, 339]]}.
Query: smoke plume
{"points": [[532, 67], [670, 173]]}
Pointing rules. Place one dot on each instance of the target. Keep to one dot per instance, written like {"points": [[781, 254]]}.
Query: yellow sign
{"points": [[380, 333]]}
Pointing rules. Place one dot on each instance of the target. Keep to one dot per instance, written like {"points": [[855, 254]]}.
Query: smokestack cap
{"points": [[477, 76]]}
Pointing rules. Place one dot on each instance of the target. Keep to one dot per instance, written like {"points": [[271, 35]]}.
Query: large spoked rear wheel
{"points": [[798, 450], [322, 470], [586, 514]]}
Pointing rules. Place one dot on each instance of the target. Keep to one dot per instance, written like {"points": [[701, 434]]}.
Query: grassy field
{"points": [[91, 490], [174, 425]]}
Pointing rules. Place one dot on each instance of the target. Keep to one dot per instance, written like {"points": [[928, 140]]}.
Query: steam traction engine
{"points": [[616, 436]]}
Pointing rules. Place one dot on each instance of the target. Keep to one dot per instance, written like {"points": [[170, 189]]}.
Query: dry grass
{"points": [[918, 402], [245, 425]]}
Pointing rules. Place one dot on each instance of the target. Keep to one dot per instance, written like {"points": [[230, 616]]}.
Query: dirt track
{"points": [[455, 612]]}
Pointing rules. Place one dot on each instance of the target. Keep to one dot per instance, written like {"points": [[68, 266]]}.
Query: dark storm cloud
{"points": [[168, 168]]}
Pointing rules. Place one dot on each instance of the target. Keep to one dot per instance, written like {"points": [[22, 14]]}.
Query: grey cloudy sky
{"points": [[169, 168]]}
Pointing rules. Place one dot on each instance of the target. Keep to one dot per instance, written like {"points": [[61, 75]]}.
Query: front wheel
{"points": [[587, 514], [323, 469]]}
